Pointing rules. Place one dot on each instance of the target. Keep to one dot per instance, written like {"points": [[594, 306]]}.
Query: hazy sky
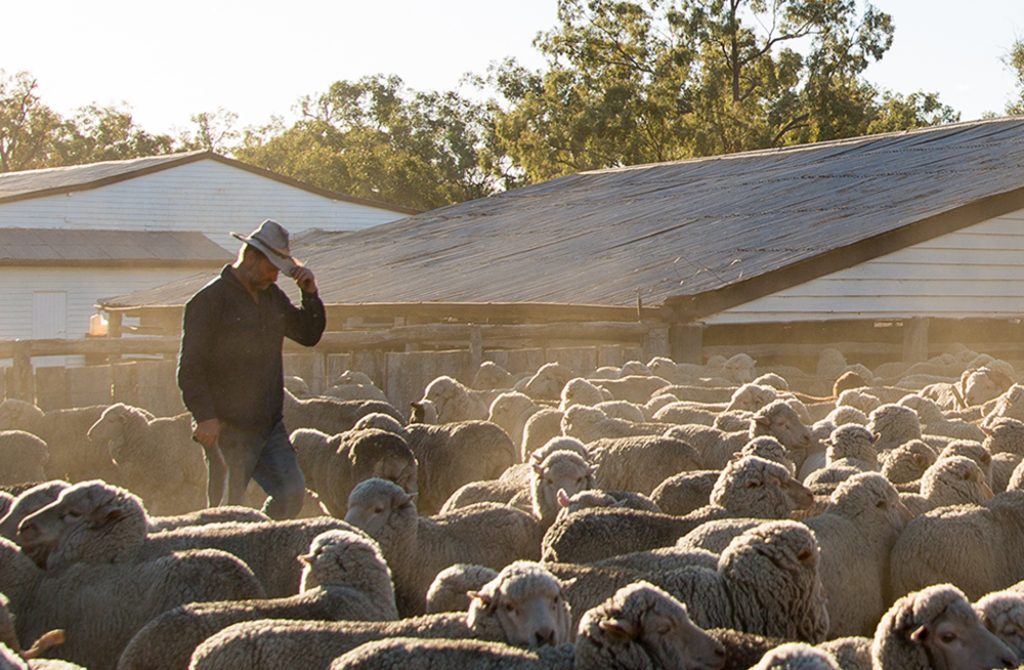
{"points": [[170, 60]]}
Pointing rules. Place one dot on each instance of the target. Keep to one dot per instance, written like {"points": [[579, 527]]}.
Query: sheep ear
{"points": [[986, 429], [105, 514], [920, 634], [563, 498], [875, 437], [53, 638], [305, 559], [618, 628], [481, 601], [762, 420], [537, 469]]}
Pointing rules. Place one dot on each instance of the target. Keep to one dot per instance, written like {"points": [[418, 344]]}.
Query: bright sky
{"points": [[170, 60]]}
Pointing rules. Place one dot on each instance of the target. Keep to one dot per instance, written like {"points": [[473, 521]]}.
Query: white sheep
{"points": [[540, 427], [952, 480], [155, 457], [455, 401], [524, 606], [981, 546], [95, 522], [547, 383], [685, 492], [331, 415], [640, 463], [449, 592], [749, 487], [907, 462], [64, 431], [894, 424], [511, 411], [417, 548], [490, 375], [580, 391], [101, 606], [344, 578], [796, 656], [936, 628], [24, 456], [1002, 614]]}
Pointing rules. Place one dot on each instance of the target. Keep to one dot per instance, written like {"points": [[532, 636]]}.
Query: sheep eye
{"points": [[510, 608], [378, 510], [880, 504], [947, 637], [753, 485]]}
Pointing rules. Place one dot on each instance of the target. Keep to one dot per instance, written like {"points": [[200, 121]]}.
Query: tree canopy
{"points": [[623, 82]]}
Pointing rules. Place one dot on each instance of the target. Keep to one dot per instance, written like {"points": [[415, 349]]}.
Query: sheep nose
{"points": [[544, 636]]}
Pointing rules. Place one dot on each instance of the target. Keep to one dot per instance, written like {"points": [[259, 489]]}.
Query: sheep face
{"points": [[109, 430], [80, 510], [852, 441], [981, 385], [782, 422], [644, 615], [579, 391], [870, 496], [341, 557], [1005, 436], [373, 502], [29, 502], [955, 480], [563, 471], [1002, 614], [952, 637], [908, 462], [752, 486], [529, 604]]}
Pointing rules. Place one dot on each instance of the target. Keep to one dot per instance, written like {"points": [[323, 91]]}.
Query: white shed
{"points": [[72, 235]]}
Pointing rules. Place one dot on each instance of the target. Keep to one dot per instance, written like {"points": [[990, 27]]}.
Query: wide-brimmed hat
{"points": [[272, 240]]}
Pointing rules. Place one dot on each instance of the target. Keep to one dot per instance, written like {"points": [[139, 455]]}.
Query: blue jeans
{"points": [[269, 458]]}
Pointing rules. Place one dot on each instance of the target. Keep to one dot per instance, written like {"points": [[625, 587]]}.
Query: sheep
{"points": [[767, 583], [225, 514], [751, 397], [850, 449], [716, 447], [380, 422], [851, 653], [844, 414], [859, 399], [972, 450], [561, 472], [640, 463], [855, 533], [456, 402], [770, 449], [1008, 405], [685, 492], [9, 638], [422, 411], [985, 383], [490, 375], [894, 424], [452, 454], [936, 628], [634, 388], [934, 422], [344, 578], [750, 486], [511, 411], [417, 548], [1002, 614], [330, 415], [907, 462], [622, 409], [64, 431], [683, 411], [523, 606], [96, 522], [981, 547], [415, 653], [580, 391], [27, 502], [334, 464], [100, 606], [739, 368], [449, 590], [781, 421], [796, 656], [24, 456], [953, 480], [156, 457], [1004, 435], [589, 424], [540, 427], [602, 498], [547, 383]]}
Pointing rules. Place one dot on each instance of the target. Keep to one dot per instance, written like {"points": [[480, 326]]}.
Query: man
{"points": [[231, 375]]}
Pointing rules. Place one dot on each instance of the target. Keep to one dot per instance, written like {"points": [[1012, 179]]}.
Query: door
{"points": [[49, 314]]}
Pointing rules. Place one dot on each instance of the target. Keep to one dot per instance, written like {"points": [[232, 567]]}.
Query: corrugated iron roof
{"points": [[49, 181], [698, 233], [55, 246]]}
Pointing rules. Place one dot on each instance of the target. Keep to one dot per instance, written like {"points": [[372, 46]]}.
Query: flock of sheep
{"points": [[656, 515]]}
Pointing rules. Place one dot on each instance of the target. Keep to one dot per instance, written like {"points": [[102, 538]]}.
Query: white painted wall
{"points": [[205, 195], [81, 286], [977, 272]]}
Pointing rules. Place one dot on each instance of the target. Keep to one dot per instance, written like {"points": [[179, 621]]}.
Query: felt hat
{"points": [[272, 240]]}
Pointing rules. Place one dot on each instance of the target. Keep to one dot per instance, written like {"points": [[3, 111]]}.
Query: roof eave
{"points": [[693, 307]]}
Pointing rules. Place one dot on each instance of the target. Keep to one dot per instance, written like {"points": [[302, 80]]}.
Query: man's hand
{"points": [[303, 276], [207, 433]]}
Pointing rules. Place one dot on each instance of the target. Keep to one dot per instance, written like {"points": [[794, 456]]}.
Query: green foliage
{"points": [[1015, 61], [375, 139], [26, 124]]}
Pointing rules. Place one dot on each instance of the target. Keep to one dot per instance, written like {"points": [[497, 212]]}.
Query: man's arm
{"points": [[305, 324], [196, 345]]}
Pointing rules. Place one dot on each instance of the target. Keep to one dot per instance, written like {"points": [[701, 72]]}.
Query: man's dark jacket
{"points": [[230, 365]]}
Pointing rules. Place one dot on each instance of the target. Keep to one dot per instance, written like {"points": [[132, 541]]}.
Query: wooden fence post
{"points": [[476, 348], [915, 340], [686, 341], [24, 378]]}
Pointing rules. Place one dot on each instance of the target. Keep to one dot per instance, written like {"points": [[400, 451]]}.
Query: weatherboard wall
{"points": [[206, 195], [976, 272]]}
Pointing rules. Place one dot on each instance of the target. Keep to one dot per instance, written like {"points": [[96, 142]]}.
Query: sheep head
{"points": [[528, 603], [643, 620]]}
